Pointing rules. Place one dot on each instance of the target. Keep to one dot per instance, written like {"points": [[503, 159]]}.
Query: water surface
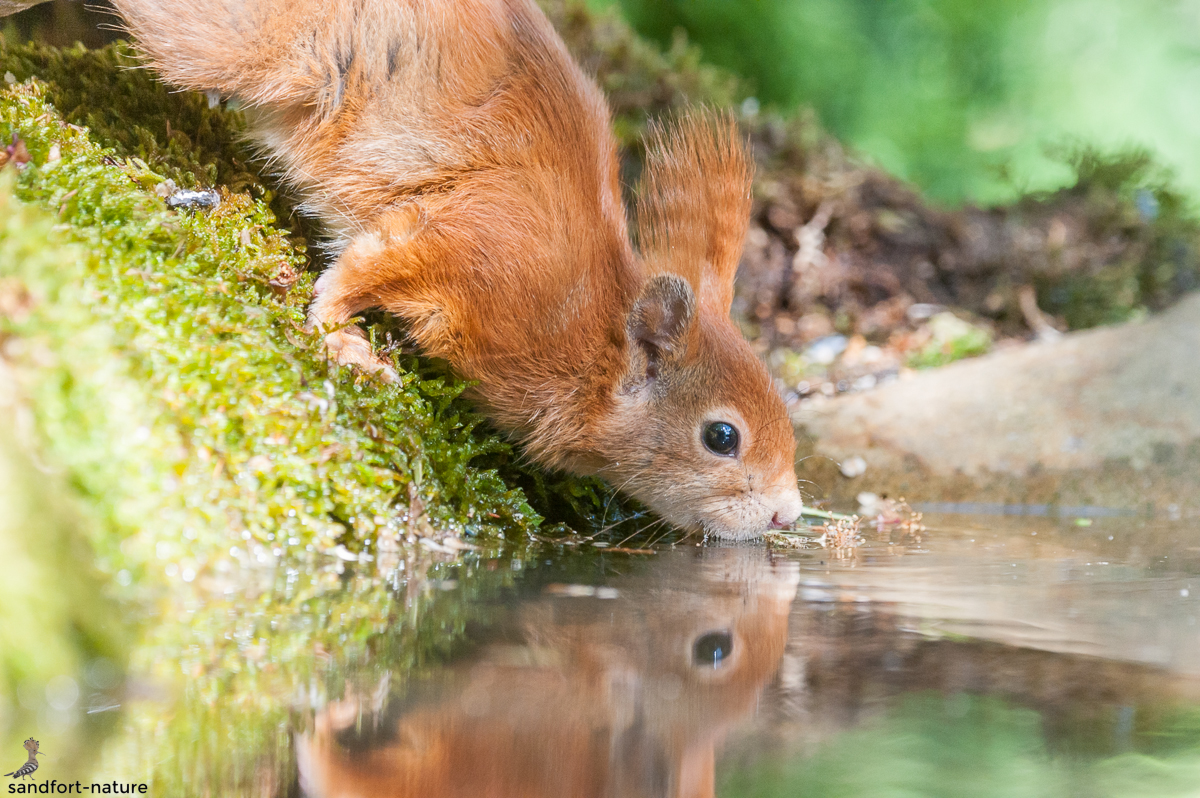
{"points": [[978, 656]]}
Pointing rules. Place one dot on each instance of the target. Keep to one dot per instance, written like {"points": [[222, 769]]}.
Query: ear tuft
{"points": [[694, 203], [661, 320]]}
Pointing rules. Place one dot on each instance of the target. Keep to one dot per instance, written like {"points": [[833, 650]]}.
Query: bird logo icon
{"points": [[31, 745]]}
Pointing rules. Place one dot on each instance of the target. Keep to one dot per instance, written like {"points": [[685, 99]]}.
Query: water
{"points": [[1006, 656]]}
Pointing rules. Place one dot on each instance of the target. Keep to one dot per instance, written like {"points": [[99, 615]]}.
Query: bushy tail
{"points": [[253, 49]]}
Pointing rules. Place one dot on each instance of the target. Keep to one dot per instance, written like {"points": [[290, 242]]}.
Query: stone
{"points": [[1126, 395]]}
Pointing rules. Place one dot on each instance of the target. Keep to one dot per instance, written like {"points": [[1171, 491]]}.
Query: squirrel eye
{"points": [[712, 649], [720, 438]]}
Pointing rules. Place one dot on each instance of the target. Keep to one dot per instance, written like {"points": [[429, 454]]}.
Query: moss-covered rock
{"points": [[209, 400]]}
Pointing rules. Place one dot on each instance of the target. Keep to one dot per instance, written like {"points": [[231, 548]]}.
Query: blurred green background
{"points": [[966, 98]]}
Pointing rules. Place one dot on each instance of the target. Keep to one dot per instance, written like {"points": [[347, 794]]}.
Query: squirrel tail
{"points": [[242, 48]]}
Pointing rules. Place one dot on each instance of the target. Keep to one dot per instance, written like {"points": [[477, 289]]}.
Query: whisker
{"points": [[643, 530], [616, 490], [667, 529]]}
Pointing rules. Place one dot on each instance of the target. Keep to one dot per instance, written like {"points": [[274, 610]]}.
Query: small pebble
{"points": [[824, 351], [205, 199], [867, 502], [922, 311], [853, 467], [865, 382]]}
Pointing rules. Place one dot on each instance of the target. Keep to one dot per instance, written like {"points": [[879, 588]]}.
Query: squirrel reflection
{"points": [[628, 696]]}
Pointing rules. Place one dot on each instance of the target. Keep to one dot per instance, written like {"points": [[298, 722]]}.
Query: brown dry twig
{"points": [[841, 534], [897, 514]]}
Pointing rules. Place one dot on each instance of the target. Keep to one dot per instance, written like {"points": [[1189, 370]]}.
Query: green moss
{"points": [[59, 633], [30, 591], [951, 339], [1135, 246], [126, 108]]}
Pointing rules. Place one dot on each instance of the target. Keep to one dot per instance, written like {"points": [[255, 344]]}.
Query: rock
{"points": [[1126, 395]]}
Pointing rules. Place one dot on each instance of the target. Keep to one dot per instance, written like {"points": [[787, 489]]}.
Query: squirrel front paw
{"points": [[349, 347]]}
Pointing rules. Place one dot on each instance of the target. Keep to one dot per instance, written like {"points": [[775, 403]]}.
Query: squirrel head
{"points": [[699, 432]]}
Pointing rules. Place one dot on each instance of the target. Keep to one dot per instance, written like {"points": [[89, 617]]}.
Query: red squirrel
{"points": [[467, 169]]}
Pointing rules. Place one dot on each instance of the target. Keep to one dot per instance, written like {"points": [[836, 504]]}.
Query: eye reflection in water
{"points": [[712, 649], [576, 695]]}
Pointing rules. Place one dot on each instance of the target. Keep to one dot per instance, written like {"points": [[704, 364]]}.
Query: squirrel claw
{"points": [[350, 348]]}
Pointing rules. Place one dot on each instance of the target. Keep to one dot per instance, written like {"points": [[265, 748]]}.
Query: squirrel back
{"points": [[368, 103]]}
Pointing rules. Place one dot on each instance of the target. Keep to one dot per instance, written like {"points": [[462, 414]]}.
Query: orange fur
{"points": [[467, 168]]}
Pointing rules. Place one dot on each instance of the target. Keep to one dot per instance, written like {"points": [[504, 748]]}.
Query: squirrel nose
{"points": [[786, 515], [784, 519]]}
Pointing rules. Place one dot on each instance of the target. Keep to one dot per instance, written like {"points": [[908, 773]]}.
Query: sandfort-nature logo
{"points": [[31, 764], [55, 787]]}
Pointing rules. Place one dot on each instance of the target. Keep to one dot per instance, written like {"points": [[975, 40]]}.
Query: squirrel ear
{"points": [[660, 323], [694, 203]]}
